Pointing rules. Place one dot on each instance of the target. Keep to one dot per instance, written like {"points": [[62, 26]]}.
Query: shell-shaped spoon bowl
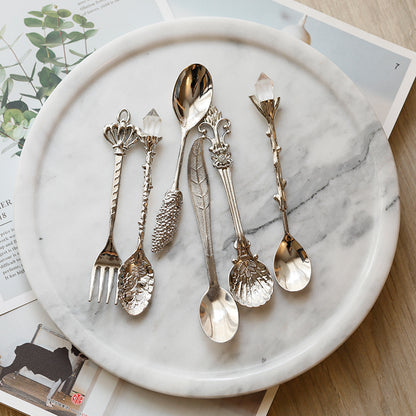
{"points": [[250, 282], [135, 283], [292, 265]]}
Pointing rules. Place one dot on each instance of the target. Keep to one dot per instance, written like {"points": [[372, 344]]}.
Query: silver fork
{"points": [[122, 136]]}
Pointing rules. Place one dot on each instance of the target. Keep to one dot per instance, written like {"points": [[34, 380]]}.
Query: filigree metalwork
{"points": [[219, 127], [292, 266], [136, 278], [167, 220], [122, 136], [250, 281]]}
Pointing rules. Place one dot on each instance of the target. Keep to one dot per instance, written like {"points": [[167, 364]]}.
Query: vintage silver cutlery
{"points": [[136, 280], [191, 99], [122, 136], [218, 313], [250, 282], [292, 265]]}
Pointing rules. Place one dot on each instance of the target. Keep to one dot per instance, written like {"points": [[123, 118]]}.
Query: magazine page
{"points": [[42, 373]]}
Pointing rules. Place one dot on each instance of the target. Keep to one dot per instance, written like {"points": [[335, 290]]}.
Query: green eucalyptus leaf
{"points": [[35, 13], [77, 18], [29, 96], [90, 33], [2, 31], [48, 78], [2, 73], [33, 71], [5, 97], [32, 22], [36, 39], [54, 38], [19, 132], [50, 10], [7, 88], [53, 22], [13, 114], [29, 115], [66, 25], [81, 55], [79, 60], [75, 36], [44, 92], [18, 105], [20, 78], [45, 55], [88, 25], [64, 13], [57, 63]]}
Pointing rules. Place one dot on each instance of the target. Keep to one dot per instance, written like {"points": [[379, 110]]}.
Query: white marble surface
{"points": [[342, 197]]}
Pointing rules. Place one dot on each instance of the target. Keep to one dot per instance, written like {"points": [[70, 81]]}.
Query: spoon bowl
{"points": [[192, 95], [218, 314], [136, 282], [292, 266]]}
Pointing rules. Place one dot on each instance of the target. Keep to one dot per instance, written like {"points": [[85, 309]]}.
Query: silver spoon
{"points": [[192, 96], [136, 280], [292, 266], [218, 313], [250, 282]]}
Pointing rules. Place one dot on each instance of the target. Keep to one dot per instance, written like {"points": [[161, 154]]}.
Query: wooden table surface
{"points": [[374, 372]]}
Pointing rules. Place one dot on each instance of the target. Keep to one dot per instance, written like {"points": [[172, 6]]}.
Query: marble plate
{"points": [[342, 196]]}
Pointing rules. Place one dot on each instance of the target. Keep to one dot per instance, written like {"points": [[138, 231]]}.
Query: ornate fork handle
{"points": [[118, 163], [122, 136]]}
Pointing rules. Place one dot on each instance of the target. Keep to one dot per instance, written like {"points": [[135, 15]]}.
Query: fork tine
{"points": [[109, 283], [92, 281], [116, 294], [101, 284]]}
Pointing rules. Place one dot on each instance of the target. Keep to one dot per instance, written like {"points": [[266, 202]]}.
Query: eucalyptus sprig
{"points": [[56, 40]]}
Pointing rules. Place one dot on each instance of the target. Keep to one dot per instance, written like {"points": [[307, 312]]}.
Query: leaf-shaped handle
{"points": [[199, 187]]}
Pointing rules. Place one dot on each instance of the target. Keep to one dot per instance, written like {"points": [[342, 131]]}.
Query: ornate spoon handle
{"points": [[200, 194], [221, 159], [292, 266], [136, 278], [250, 281], [268, 109], [149, 145]]}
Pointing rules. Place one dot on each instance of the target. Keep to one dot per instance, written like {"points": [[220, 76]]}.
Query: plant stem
{"points": [[21, 67], [85, 41], [63, 47], [47, 49]]}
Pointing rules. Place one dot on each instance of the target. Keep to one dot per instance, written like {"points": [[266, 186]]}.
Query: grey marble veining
{"points": [[342, 197]]}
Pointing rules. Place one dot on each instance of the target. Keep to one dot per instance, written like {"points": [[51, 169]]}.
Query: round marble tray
{"points": [[342, 197]]}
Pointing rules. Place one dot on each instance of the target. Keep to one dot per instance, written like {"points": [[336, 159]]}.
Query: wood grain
{"points": [[374, 372], [6, 411]]}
